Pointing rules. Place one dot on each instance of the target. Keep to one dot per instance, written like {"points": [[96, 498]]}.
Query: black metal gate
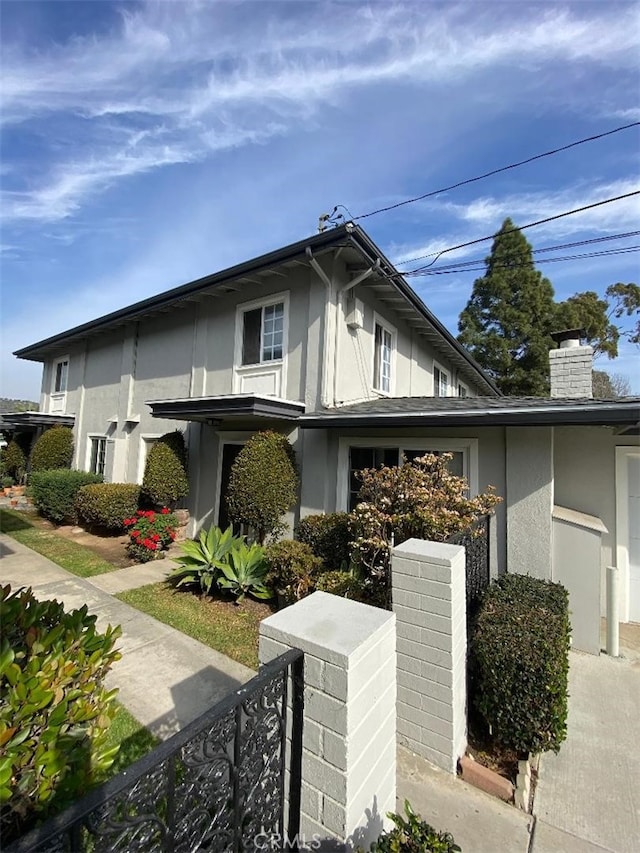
{"points": [[476, 543], [218, 785]]}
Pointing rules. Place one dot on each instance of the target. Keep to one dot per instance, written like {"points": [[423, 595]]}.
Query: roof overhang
{"points": [[227, 407], [32, 420], [620, 413]]}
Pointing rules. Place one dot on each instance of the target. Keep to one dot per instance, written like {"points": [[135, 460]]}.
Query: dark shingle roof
{"points": [[479, 411]]}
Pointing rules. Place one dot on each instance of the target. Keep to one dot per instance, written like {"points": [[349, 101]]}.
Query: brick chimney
{"points": [[570, 366]]}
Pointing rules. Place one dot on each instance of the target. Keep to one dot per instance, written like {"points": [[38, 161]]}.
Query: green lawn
{"points": [[69, 555], [134, 739], [229, 628]]}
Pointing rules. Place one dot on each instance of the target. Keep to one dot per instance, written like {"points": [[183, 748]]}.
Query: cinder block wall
{"points": [[349, 730], [570, 372], [428, 587]]}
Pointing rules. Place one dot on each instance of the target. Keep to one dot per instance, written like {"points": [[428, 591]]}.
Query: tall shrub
{"points": [[165, 479], [54, 492], [54, 708], [54, 449], [520, 662], [14, 461], [263, 484], [421, 499]]}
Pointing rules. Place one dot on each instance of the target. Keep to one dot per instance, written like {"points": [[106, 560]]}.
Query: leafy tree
{"points": [[607, 386], [263, 484], [507, 322]]}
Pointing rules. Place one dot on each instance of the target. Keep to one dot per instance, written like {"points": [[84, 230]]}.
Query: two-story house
{"points": [[325, 340]]}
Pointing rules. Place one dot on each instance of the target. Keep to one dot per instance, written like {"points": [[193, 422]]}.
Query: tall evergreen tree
{"points": [[507, 322]]}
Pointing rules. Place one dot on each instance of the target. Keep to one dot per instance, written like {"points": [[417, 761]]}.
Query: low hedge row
{"points": [[107, 504], [519, 657], [54, 492]]}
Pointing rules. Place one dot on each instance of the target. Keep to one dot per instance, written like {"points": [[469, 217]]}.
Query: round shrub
{"points": [[263, 484], [519, 657], [293, 569], [328, 536], [14, 461], [55, 711], [54, 492], [54, 449], [165, 479], [343, 584], [107, 504]]}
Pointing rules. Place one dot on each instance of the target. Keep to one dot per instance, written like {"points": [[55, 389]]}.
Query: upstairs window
{"points": [[263, 334], [383, 354], [60, 376], [440, 382]]}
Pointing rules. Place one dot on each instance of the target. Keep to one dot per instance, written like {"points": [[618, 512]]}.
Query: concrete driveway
{"points": [[588, 796]]}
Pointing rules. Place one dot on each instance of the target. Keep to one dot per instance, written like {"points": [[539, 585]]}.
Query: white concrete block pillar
{"points": [[428, 587], [349, 727]]}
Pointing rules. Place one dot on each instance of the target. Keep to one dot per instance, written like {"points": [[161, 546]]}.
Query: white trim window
{"points": [[383, 352], [441, 381], [59, 382], [263, 334], [97, 454], [463, 391], [358, 453]]}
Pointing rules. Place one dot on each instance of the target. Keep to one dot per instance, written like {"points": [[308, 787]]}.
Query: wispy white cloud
{"points": [[176, 83]]}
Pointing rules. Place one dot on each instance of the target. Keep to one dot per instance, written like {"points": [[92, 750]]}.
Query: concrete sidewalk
{"points": [[165, 678], [588, 796]]}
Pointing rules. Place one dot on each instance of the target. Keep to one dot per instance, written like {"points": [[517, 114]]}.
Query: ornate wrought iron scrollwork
{"points": [[475, 540], [214, 786]]}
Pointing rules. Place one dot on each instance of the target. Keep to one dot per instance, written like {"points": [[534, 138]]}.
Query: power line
{"points": [[439, 254], [493, 171], [555, 248], [604, 252]]}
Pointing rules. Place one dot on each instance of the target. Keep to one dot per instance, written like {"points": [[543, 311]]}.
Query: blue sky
{"points": [[147, 144]]}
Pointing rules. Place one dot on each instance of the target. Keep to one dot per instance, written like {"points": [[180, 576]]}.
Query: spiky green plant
{"points": [[246, 572], [202, 561]]}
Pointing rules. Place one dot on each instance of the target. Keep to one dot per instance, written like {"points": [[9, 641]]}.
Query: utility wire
{"points": [[606, 252], [555, 248], [436, 255], [493, 171]]}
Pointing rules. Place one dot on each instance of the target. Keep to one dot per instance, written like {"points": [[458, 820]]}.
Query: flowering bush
{"points": [[422, 499], [150, 533]]}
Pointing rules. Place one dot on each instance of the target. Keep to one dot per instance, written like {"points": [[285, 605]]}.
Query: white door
{"points": [[628, 524]]}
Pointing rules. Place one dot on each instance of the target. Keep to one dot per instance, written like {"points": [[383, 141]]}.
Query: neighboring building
{"points": [[324, 340]]}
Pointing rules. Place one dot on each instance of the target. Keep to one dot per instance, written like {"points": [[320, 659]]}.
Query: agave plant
{"points": [[245, 572], [205, 558]]}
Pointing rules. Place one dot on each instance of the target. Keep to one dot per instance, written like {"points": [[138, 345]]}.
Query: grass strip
{"points": [[230, 629], [68, 555]]}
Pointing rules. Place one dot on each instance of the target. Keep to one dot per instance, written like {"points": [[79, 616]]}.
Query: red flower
{"points": [[129, 521], [164, 511], [152, 546], [155, 537]]}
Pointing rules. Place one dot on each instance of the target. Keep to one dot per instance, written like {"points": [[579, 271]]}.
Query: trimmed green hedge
{"points": [[293, 569], [165, 478], [520, 662], [329, 538], [107, 504], [54, 492], [54, 449], [55, 711], [13, 461]]}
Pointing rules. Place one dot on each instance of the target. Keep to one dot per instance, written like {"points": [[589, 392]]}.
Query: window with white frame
{"points": [[463, 391], [357, 454], [60, 376], [263, 334], [97, 454], [383, 357], [440, 381]]}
